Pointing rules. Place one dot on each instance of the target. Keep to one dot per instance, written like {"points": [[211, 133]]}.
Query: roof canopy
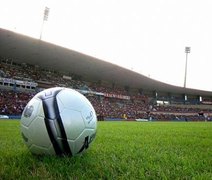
{"points": [[24, 49]]}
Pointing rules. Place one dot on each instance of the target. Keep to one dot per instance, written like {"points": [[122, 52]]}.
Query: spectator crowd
{"points": [[120, 105]]}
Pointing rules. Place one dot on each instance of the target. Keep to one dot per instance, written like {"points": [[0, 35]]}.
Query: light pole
{"points": [[187, 50], [45, 18]]}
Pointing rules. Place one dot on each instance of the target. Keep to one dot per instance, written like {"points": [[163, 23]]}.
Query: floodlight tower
{"points": [[45, 18], [187, 50]]}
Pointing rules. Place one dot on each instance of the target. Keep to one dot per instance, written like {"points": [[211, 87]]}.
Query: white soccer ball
{"points": [[58, 121]]}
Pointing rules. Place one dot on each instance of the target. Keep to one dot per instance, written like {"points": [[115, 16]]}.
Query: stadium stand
{"points": [[13, 103], [19, 83]]}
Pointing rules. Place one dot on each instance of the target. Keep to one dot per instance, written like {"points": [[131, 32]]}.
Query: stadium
{"points": [[118, 95], [29, 65]]}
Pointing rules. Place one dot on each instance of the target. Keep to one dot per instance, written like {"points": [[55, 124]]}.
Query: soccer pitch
{"points": [[121, 150]]}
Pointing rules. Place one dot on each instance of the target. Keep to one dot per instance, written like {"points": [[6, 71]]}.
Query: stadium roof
{"points": [[24, 49]]}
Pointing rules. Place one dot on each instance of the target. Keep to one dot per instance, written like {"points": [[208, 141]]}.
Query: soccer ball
{"points": [[58, 121]]}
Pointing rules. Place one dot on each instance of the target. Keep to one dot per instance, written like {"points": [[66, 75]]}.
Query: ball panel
{"points": [[25, 135], [89, 116], [39, 150], [72, 146], [32, 109], [73, 123], [71, 99], [61, 106], [38, 133], [80, 145]]}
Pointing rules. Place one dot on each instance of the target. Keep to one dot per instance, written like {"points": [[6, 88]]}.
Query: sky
{"points": [[146, 36]]}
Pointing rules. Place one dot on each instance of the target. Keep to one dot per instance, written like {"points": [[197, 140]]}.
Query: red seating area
{"points": [[13, 103], [117, 106]]}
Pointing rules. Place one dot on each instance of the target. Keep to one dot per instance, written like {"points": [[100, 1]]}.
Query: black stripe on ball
{"points": [[51, 112], [67, 150], [53, 140]]}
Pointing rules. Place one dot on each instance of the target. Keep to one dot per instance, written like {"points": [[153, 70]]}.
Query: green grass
{"points": [[121, 150]]}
